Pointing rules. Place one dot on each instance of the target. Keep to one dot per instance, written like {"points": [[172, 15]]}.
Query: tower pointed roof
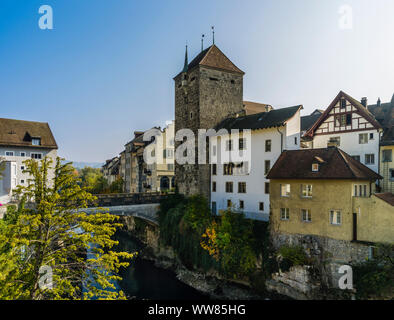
{"points": [[185, 67], [213, 57]]}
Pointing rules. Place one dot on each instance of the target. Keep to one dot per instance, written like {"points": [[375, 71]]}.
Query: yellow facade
{"points": [[385, 170], [375, 218]]}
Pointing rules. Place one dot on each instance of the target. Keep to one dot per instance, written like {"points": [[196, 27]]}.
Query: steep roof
{"points": [[213, 57], [360, 108], [263, 120], [387, 197], [384, 114], [333, 164], [19, 133], [308, 121]]}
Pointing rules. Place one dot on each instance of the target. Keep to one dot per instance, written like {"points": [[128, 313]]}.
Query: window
{"points": [[242, 144], [295, 141], [357, 158], [152, 153], [229, 203], [23, 154], [261, 206], [22, 168], [22, 181], [343, 103], [241, 187], [315, 167], [391, 174], [348, 119], [36, 156], [214, 169], [36, 142], [306, 191], [335, 217], [241, 204], [229, 145], [191, 115], [360, 190], [306, 215], [285, 190], [267, 188], [242, 168], [363, 138], [229, 187], [228, 169], [213, 186], [284, 214], [267, 166], [371, 136], [169, 154], [387, 155], [214, 207], [214, 150], [9, 153], [170, 167], [369, 158], [267, 145]]}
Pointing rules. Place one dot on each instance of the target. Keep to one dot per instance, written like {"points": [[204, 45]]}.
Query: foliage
{"points": [[375, 278], [116, 186], [48, 228], [198, 214], [231, 242], [292, 256], [94, 181]]}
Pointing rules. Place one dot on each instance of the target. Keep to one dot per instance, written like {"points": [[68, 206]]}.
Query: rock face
{"points": [[297, 283]]}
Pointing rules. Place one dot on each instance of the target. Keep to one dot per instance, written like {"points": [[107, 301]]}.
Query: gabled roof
{"points": [[263, 120], [19, 133], [360, 108], [213, 57], [297, 164]]}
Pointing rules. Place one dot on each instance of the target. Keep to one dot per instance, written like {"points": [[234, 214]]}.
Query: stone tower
{"points": [[207, 91]]}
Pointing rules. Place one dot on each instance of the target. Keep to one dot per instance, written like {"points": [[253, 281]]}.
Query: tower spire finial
{"points": [[202, 42], [213, 35], [185, 67]]}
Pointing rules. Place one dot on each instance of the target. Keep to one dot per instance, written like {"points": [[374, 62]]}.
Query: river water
{"points": [[142, 280]]}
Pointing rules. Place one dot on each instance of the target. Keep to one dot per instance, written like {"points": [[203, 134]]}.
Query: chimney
{"points": [[378, 103], [364, 101]]}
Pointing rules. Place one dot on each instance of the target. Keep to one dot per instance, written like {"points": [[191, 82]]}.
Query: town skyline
{"points": [[285, 64]]}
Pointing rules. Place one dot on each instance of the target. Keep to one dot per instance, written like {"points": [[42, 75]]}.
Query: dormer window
{"points": [[36, 141], [315, 167]]}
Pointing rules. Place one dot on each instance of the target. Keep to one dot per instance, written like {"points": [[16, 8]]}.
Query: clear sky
{"points": [[106, 68]]}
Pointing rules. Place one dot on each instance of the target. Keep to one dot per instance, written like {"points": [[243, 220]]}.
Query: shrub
{"points": [[292, 256]]}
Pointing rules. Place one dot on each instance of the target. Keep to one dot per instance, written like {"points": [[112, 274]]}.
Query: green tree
{"points": [[49, 228], [93, 180]]}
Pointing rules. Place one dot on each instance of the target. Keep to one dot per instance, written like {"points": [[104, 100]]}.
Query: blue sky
{"points": [[106, 68]]}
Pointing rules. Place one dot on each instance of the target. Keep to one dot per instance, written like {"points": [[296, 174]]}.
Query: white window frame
{"points": [[305, 191], [335, 213], [315, 167], [287, 191], [35, 141], [284, 214], [370, 156], [36, 153], [363, 141], [308, 215], [12, 154]]}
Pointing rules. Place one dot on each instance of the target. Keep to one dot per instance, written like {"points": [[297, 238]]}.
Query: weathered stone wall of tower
{"points": [[210, 96]]}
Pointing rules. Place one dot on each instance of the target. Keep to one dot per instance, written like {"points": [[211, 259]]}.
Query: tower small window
{"points": [[315, 167], [191, 115]]}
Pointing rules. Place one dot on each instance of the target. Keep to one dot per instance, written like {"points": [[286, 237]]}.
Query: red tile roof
{"points": [[297, 164]]}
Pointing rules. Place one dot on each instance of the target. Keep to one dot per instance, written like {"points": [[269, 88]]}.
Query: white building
{"points": [[19, 141], [348, 124], [243, 185]]}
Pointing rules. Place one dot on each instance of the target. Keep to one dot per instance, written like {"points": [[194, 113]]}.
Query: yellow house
{"points": [[325, 192]]}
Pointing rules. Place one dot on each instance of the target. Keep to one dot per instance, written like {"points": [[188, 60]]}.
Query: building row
{"points": [[327, 174], [137, 174]]}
